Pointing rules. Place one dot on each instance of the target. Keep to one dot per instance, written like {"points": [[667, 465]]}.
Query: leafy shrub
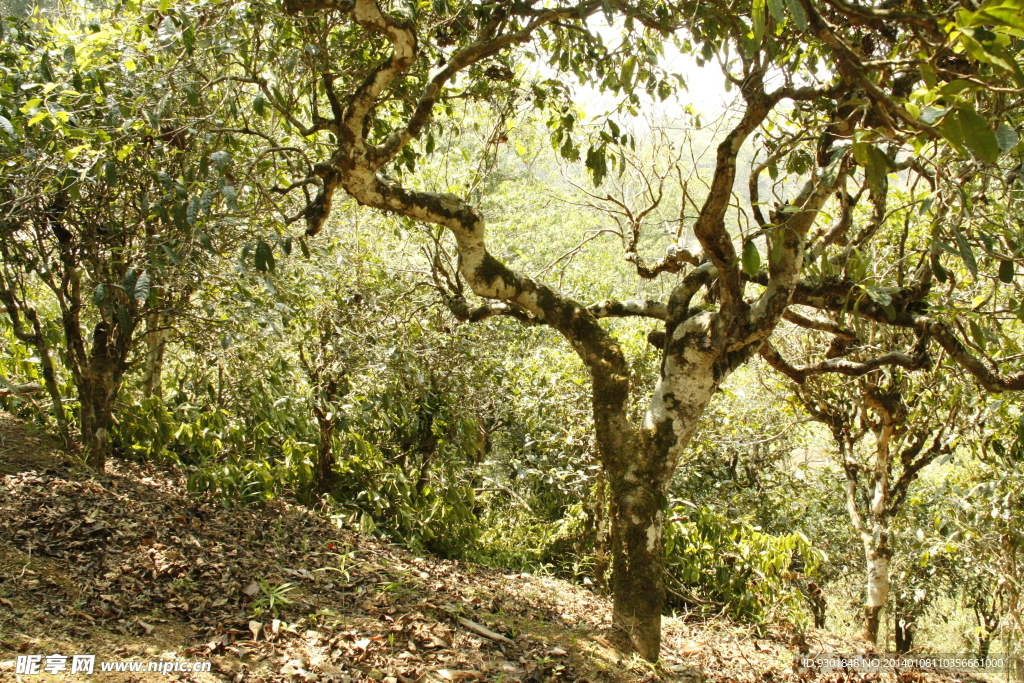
{"points": [[716, 564]]}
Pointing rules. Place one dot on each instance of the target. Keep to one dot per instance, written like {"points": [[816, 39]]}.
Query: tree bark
{"points": [[904, 626], [325, 454], [95, 398], [638, 561], [602, 530], [156, 344], [878, 555], [98, 383]]}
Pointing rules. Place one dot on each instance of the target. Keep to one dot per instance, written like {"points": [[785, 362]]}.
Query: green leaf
{"points": [[1006, 271], [957, 86], [926, 205], [951, 129], [99, 295], [171, 255], [751, 258], [7, 127], [1009, 14], [264, 257], [597, 163], [978, 137], [978, 334], [939, 271], [110, 173], [1007, 137], [931, 114], [778, 10], [757, 15], [165, 180], [626, 75], [966, 252], [879, 295], [128, 283], [44, 68], [229, 196], [877, 169], [974, 40], [206, 201], [799, 16], [221, 160], [142, 288]]}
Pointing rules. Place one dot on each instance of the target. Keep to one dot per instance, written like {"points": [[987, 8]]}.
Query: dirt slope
{"points": [[129, 566]]}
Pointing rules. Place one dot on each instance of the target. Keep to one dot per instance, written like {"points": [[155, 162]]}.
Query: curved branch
{"points": [[820, 324], [485, 46], [853, 71], [644, 308], [991, 380], [709, 227], [674, 260], [461, 309], [799, 374]]}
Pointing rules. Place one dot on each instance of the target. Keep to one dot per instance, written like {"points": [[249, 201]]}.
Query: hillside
{"points": [[130, 566]]}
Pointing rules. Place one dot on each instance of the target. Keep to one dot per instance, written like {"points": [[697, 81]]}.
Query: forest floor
{"points": [[131, 567]]}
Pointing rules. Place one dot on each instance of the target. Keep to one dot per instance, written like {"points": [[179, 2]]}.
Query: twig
{"points": [[484, 631]]}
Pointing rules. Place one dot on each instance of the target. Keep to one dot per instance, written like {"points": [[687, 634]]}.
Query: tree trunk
{"points": [[601, 533], [98, 383], [642, 474], [905, 626], [50, 381], [878, 554], [984, 643], [95, 398], [325, 455], [639, 557], [156, 343]]}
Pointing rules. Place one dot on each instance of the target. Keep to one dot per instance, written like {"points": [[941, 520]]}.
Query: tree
{"points": [[356, 86], [110, 203], [905, 440]]}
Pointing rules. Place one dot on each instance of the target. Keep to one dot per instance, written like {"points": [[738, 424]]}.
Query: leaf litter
{"points": [[130, 564]]}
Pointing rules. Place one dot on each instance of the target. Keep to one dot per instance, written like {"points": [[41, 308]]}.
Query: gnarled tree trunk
{"points": [[98, 383]]}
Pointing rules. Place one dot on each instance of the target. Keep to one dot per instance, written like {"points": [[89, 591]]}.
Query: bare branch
{"points": [[820, 324], [645, 308], [799, 374]]}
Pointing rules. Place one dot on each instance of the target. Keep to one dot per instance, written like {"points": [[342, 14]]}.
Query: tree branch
{"points": [[644, 308], [799, 374], [820, 324]]}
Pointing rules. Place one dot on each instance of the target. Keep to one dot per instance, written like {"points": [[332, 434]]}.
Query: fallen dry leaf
{"points": [[256, 627]]}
